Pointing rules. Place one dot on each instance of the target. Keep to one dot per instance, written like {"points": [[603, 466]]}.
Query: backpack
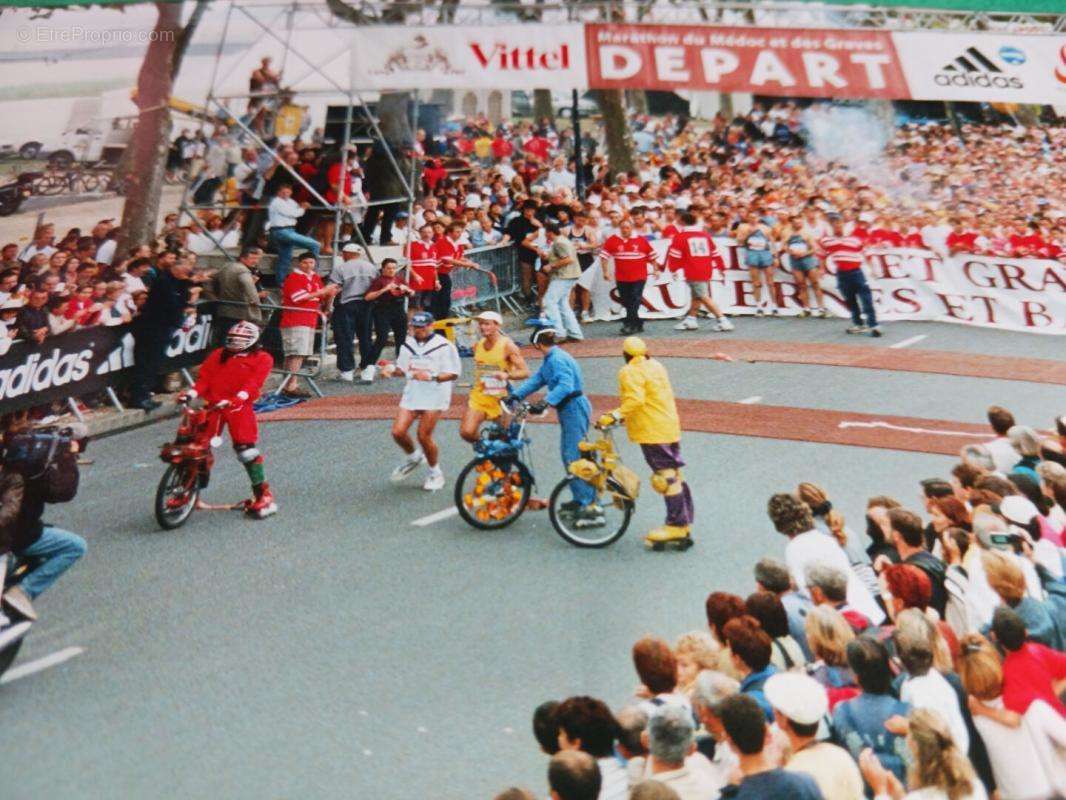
{"points": [[46, 462]]}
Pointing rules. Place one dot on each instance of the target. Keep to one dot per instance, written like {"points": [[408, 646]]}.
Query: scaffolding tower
{"points": [[281, 23]]}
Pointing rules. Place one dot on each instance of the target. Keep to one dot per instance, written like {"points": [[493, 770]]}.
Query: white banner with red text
{"points": [[469, 57], [1019, 294], [790, 62]]}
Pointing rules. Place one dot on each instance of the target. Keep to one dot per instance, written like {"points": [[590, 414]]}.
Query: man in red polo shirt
{"points": [[302, 296], [632, 256], [693, 252], [449, 255], [422, 253], [845, 254], [961, 240], [537, 147]]}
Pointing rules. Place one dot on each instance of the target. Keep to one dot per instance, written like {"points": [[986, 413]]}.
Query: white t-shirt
{"points": [[815, 547], [1004, 456], [1015, 753], [436, 355], [932, 691], [105, 253], [614, 783]]}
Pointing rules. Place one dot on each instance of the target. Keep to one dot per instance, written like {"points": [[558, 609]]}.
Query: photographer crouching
{"points": [[39, 467]]}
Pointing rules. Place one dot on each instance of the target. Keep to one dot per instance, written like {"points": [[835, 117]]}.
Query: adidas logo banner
{"points": [[981, 67], [86, 361]]}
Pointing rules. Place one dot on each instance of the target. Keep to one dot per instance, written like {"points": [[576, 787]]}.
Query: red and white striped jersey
{"points": [[693, 252], [843, 252], [423, 257], [445, 248]]}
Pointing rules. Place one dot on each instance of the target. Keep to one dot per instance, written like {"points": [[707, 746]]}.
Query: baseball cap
{"points": [[351, 247], [490, 316], [422, 319], [797, 696]]}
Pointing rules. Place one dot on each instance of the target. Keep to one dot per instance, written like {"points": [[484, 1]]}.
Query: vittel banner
{"points": [[984, 67], [478, 57], [791, 62]]}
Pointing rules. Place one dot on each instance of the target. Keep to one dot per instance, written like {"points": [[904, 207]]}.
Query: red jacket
{"points": [[423, 265], [444, 249], [240, 372]]}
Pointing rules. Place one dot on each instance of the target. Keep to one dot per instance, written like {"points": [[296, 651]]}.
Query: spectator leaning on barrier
{"points": [[352, 314], [236, 286], [303, 296]]}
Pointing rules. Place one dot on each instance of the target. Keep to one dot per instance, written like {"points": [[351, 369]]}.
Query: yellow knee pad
{"points": [[667, 482]]}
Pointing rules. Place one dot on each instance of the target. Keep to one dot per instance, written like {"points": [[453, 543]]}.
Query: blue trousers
{"points": [[852, 284], [284, 240], [574, 420], [54, 553], [351, 320]]}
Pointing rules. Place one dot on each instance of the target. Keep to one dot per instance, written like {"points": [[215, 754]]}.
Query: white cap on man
{"points": [[351, 247], [489, 316], [798, 696]]}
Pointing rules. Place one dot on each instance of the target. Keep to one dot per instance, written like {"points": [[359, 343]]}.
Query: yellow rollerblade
{"points": [[676, 536]]}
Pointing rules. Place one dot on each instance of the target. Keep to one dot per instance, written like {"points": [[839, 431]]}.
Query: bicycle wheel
{"points": [[617, 510], [175, 499], [492, 494]]}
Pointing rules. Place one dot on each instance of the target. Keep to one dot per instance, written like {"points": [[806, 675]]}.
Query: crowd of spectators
{"points": [[912, 657]]}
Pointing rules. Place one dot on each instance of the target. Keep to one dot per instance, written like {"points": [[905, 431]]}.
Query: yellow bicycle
{"points": [[616, 485]]}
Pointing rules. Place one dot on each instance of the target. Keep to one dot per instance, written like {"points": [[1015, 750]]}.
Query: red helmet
{"points": [[242, 336]]}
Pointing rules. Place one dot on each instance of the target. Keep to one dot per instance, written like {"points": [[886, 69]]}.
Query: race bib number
{"points": [[798, 249], [699, 247], [493, 386]]}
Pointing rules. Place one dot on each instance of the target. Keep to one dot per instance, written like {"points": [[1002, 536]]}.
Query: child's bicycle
{"points": [[616, 485], [494, 489], [189, 458]]}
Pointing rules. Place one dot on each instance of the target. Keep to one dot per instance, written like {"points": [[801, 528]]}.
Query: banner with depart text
{"points": [[789, 62], [1019, 294]]}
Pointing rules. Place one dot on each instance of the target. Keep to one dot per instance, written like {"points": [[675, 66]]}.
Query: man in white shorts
{"points": [[430, 363]]}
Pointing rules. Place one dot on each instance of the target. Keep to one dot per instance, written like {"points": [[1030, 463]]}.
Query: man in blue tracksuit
{"points": [[561, 375]]}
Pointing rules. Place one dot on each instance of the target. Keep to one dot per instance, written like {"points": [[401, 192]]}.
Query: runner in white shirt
{"points": [[430, 363]]}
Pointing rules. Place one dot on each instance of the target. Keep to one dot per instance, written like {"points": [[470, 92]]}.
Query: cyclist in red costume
{"points": [[232, 377]]}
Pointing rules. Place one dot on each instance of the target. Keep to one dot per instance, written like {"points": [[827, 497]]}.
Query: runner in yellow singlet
{"points": [[497, 360]]}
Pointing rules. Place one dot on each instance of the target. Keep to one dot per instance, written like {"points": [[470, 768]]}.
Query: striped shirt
{"points": [[843, 252], [423, 257], [296, 295]]}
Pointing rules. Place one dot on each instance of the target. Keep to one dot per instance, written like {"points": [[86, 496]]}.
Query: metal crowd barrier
{"points": [[472, 287], [270, 339]]}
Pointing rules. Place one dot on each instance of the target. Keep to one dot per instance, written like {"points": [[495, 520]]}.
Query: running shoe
{"points": [[724, 325], [687, 324], [407, 467], [434, 481], [858, 329], [875, 332]]}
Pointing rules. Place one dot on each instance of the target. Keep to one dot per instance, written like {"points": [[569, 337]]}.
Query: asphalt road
{"points": [[337, 650]]}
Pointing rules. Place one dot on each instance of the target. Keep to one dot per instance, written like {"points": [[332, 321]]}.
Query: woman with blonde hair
{"points": [[831, 521], [695, 651], [828, 635], [1007, 580], [940, 770], [1026, 751]]}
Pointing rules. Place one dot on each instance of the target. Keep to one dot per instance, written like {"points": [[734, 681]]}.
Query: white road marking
{"points": [[890, 426], [908, 342], [436, 517], [41, 664], [750, 401]]}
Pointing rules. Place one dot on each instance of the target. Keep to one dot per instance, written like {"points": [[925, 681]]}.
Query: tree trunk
{"points": [[620, 153], [151, 136], [542, 105]]}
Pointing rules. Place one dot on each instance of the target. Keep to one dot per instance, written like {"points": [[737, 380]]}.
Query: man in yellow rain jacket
{"points": [[651, 420]]}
